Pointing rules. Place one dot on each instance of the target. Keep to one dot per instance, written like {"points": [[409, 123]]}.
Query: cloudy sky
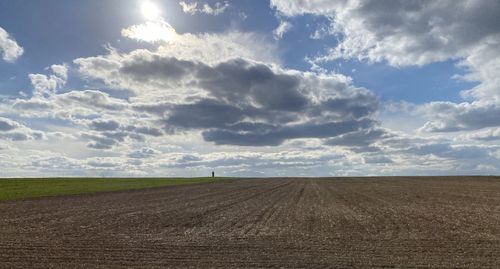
{"points": [[249, 88]]}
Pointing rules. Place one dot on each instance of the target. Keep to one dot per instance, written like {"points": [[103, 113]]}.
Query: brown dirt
{"points": [[272, 223]]}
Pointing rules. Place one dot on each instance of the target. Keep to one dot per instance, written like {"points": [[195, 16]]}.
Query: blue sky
{"points": [[62, 31], [248, 87]]}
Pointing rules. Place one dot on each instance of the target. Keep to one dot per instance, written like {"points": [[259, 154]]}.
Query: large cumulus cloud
{"points": [[240, 101], [197, 101], [405, 33]]}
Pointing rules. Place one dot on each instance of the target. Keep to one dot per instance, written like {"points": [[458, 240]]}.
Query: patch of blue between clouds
{"points": [[416, 84]]}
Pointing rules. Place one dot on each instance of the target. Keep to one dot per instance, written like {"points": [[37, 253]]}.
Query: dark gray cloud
{"points": [[238, 101], [205, 113], [99, 141], [431, 30], [488, 138], [406, 33], [144, 130], [189, 159], [159, 68], [377, 160], [366, 149], [358, 105], [360, 138], [7, 125], [18, 136], [15, 131], [92, 99], [254, 162], [22, 135], [143, 153], [277, 135], [108, 139], [227, 124], [238, 80], [254, 104], [235, 81], [446, 150], [154, 108], [450, 117], [104, 125], [109, 133]]}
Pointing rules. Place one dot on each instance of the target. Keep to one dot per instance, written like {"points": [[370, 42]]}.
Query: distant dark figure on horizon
{"points": [[213, 174]]}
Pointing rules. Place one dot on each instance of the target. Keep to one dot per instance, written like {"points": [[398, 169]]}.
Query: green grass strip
{"points": [[15, 189]]}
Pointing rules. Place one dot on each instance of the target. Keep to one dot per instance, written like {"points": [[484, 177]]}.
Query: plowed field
{"points": [[270, 223]]}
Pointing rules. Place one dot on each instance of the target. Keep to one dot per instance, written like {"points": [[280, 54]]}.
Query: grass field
{"points": [[15, 189]]}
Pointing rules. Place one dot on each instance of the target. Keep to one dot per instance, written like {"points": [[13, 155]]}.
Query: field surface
{"points": [[263, 223], [13, 189]]}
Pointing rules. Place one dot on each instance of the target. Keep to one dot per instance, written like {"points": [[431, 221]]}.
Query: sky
{"points": [[249, 88]]}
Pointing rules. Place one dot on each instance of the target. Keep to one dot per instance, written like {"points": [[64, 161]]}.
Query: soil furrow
{"points": [[441, 222]]}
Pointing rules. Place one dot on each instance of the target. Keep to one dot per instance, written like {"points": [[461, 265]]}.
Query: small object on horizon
{"points": [[213, 174]]}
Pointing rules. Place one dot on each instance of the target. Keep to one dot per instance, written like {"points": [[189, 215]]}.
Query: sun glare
{"points": [[151, 31], [150, 11]]}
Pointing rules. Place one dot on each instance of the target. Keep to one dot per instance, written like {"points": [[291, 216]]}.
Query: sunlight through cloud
{"points": [[150, 11], [157, 31]]}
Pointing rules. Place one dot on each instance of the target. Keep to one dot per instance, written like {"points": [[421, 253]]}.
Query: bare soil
{"points": [[450, 222]]}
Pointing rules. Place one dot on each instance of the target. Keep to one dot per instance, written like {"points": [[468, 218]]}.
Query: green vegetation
{"points": [[13, 189]]}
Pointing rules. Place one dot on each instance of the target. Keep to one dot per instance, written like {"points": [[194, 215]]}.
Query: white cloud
{"points": [[44, 85], [322, 31], [200, 73], [408, 33], [151, 31], [282, 28], [403, 32], [60, 70], [190, 8], [207, 47], [486, 135], [451, 117], [9, 48], [12, 130], [184, 48], [237, 101], [7, 124], [195, 7], [295, 8], [222, 101]]}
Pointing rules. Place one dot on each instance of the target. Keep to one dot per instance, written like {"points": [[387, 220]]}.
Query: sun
{"points": [[150, 11]]}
